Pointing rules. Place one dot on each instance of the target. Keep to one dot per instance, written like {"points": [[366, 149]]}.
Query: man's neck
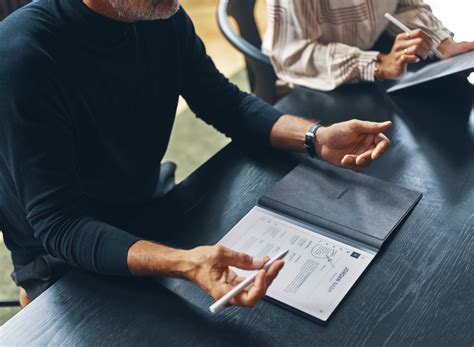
{"points": [[104, 8]]}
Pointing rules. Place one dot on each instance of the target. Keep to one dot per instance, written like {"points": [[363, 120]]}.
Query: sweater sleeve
{"points": [[37, 146], [292, 41], [417, 14], [243, 117]]}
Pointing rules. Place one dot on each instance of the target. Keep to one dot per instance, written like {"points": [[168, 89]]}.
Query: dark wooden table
{"points": [[418, 291]]}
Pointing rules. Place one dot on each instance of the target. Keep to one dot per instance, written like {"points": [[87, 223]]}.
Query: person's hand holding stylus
{"points": [[247, 283], [409, 47], [447, 49], [209, 268]]}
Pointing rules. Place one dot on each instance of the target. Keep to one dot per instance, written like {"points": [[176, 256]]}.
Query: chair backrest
{"points": [[260, 71], [243, 13], [8, 6]]}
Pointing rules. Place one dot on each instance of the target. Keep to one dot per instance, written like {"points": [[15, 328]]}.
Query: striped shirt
{"points": [[322, 44]]}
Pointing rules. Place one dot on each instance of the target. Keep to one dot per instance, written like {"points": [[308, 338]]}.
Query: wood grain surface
{"points": [[417, 291]]}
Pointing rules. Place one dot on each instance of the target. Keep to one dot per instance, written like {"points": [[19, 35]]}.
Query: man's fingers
{"points": [[348, 160], [250, 297], [372, 148], [361, 126], [218, 291], [231, 277], [259, 287], [237, 280], [257, 291], [366, 143], [227, 257], [273, 271], [381, 145], [364, 159]]}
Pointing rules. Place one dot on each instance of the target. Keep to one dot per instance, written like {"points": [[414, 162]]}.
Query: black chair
{"points": [[7, 7], [261, 75]]}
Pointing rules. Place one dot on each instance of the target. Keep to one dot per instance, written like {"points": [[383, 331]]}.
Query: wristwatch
{"points": [[309, 139]]}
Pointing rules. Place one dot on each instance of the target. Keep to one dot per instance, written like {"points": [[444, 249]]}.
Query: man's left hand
{"points": [[353, 144]]}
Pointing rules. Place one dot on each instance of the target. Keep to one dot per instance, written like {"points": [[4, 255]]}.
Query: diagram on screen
{"points": [[325, 251]]}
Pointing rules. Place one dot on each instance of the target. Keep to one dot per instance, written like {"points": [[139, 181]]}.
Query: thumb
{"points": [[370, 127], [242, 260]]}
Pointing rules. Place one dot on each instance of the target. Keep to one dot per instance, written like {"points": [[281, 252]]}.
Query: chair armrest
{"points": [[236, 40]]}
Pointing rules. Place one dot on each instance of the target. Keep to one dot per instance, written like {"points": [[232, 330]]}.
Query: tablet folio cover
{"points": [[350, 204]]}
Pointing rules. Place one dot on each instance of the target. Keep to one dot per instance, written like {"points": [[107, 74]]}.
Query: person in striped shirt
{"points": [[322, 44]]}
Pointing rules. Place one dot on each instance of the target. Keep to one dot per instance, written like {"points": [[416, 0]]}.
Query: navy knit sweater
{"points": [[86, 109]]}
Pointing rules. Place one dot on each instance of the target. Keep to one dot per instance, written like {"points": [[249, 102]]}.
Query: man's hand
{"points": [[449, 48], [353, 144], [407, 48], [208, 267]]}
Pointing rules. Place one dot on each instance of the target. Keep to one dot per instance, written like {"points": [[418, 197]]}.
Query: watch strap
{"points": [[309, 139]]}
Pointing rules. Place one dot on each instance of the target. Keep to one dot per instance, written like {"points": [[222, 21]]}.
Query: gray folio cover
{"points": [[356, 206]]}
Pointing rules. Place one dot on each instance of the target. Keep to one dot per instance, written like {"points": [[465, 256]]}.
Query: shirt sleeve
{"points": [[241, 116], [298, 56], [37, 146], [417, 14]]}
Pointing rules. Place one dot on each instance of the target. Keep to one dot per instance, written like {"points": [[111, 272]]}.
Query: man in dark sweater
{"points": [[88, 95]]}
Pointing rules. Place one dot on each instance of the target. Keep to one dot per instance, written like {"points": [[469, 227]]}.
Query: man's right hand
{"points": [[407, 48], [208, 267]]}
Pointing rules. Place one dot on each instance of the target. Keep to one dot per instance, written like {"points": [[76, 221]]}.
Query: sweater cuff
{"points": [[261, 118], [366, 64], [268, 120], [115, 250]]}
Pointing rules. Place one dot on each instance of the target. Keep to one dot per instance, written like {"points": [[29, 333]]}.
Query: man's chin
{"points": [[152, 10], [164, 9], [167, 14]]}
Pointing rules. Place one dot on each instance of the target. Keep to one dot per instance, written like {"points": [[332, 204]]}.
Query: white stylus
{"points": [[406, 29], [220, 304]]}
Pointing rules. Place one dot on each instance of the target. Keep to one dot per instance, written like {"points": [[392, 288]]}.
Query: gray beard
{"points": [[145, 9]]}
